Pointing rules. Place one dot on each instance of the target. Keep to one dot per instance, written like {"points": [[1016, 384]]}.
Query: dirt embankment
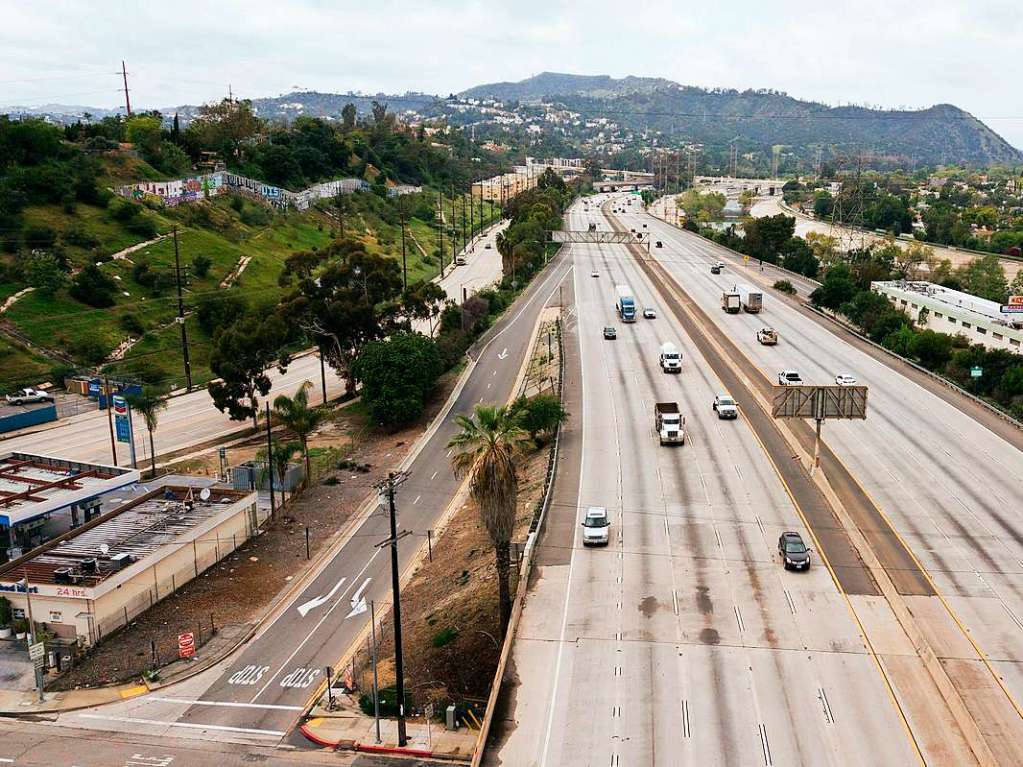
{"points": [[234, 594]]}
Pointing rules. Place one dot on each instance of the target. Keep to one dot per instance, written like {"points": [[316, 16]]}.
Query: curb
{"points": [[372, 748], [304, 729]]}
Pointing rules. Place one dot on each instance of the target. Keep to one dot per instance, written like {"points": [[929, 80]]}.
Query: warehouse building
{"points": [[951, 311], [35, 489], [93, 580]]}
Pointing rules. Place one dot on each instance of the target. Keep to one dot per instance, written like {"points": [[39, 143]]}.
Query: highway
{"points": [[684, 641], [255, 695], [944, 481], [191, 419]]}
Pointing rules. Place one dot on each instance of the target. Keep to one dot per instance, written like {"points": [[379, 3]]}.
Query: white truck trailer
{"points": [[752, 300]]}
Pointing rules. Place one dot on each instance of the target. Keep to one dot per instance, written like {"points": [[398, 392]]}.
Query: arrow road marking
{"points": [[503, 354], [359, 600], [312, 604]]}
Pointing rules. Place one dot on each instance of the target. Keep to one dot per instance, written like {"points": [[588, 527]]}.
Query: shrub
{"points": [[201, 265], [40, 237], [131, 323], [91, 351], [79, 236], [388, 697], [397, 375], [444, 636], [92, 287], [784, 286], [539, 415]]}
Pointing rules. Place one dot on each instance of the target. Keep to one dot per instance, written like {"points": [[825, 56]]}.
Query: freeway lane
{"points": [[942, 478], [683, 641], [255, 695]]}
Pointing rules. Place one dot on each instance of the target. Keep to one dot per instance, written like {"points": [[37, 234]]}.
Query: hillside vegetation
{"points": [[64, 233]]}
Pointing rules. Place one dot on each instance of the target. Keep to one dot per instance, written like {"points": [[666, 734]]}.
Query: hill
{"points": [[761, 119]]}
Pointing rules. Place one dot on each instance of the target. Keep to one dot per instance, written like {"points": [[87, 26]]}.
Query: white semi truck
{"points": [[752, 300]]}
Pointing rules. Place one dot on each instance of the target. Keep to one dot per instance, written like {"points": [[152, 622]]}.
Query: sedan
{"points": [[650, 313], [715, 269], [594, 273], [610, 333], [596, 527], [794, 553], [844, 379]]}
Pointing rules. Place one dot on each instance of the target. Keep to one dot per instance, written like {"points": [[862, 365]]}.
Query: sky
{"points": [[887, 53]]}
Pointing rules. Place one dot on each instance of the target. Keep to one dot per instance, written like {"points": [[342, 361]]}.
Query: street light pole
{"points": [[404, 266], [181, 316]]}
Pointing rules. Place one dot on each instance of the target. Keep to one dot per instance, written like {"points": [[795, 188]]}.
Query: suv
{"points": [[715, 269], [725, 406], [25, 396], [596, 527], [794, 553], [789, 378], [610, 334]]}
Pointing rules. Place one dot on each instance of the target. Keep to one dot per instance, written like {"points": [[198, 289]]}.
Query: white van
{"points": [[671, 358]]}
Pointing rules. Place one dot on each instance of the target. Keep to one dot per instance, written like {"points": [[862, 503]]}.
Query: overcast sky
{"points": [[883, 52]]}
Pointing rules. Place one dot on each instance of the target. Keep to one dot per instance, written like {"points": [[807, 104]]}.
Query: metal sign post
{"points": [[820, 403]]}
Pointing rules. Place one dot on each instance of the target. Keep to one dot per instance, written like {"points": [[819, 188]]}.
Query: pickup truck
{"points": [[767, 336], [669, 423], [725, 407], [25, 396]]}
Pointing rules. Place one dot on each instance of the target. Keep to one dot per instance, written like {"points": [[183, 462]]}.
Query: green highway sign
{"points": [[976, 371]]}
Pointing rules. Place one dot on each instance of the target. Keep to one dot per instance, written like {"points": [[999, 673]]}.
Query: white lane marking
{"points": [[416, 500], [359, 600], [188, 725], [231, 704], [5, 760], [317, 601], [433, 476], [314, 629], [504, 354]]}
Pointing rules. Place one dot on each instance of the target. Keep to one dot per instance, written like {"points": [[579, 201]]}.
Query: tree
{"points": [[825, 248], [348, 114], [92, 287], [933, 349], [144, 132], [539, 415], [838, 288], [351, 300], [767, 236], [799, 258], [910, 258], [296, 415], [241, 355], [43, 272], [280, 457], [149, 404], [396, 376], [984, 277], [223, 126], [485, 450]]}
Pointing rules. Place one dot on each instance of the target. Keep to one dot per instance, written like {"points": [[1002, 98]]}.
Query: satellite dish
{"points": [[204, 494], [104, 549]]}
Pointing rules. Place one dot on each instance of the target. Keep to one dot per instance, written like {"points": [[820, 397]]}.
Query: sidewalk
{"points": [[351, 730]]}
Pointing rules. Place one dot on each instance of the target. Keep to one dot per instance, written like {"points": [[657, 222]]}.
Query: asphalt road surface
{"points": [[945, 481], [684, 640], [257, 694]]}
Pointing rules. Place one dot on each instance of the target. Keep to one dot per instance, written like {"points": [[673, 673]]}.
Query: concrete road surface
{"points": [[191, 419], [683, 641], [946, 481], [256, 695]]}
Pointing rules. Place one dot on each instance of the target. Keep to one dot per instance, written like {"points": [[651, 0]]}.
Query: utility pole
{"points": [[127, 100], [464, 242], [472, 226], [340, 211], [385, 489], [404, 265], [323, 377], [270, 464], [32, 636], [376, 681], [454, 229], [440, 230], [181, 316], [110, 416]]}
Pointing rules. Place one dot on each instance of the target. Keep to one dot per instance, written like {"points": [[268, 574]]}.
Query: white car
{"points": [[594, 273], [25, 396], [650, 313], [844, 379], [725, 406], [789, 378], [596, 527]]}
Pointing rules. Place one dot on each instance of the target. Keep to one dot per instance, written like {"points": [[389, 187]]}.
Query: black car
{"points": [[715, 269], [610, 333], [794, 553]]}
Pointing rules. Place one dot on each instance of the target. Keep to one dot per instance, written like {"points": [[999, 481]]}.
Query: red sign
{"points": [[1015, 300], [186, 645]]}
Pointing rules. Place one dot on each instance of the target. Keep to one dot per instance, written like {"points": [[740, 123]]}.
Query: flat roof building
{"points": [[95, 579], [34, 487], [954, 312]]}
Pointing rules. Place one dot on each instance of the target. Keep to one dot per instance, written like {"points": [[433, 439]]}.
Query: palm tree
{"points": [[149, 405], [486, 448], [295, 414], [280, 458]]}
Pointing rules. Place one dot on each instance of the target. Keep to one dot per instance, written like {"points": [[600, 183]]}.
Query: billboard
{"points": [[819, 402]]}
